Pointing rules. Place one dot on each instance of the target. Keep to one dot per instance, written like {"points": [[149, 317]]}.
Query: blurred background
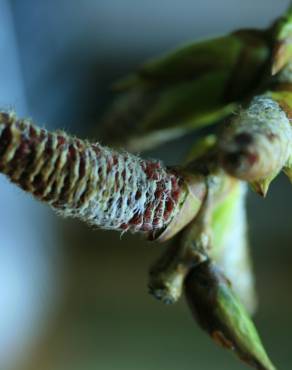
{"points": [[76, 298]]}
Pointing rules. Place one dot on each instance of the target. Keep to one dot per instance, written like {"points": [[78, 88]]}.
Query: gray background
{"points": [[75, 298]]}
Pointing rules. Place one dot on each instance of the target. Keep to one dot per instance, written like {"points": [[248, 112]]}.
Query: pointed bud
{"points": [[261, 187], [218, 311]]}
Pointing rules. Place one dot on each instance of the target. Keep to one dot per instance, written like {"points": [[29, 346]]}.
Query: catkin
{"points": [[105, 188]]}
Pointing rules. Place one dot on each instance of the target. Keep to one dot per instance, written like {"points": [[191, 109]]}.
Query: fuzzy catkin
{"points": [[105, 188]]}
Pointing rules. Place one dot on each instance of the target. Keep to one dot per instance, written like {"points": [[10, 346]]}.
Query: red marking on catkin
{"points": [[101, 186]]}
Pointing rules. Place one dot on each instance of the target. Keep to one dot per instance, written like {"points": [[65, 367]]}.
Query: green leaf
{"points": [[196, 59], [190, 105], [187, 63], [195, 86]]}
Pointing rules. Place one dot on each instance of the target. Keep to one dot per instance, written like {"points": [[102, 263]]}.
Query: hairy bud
{"points": [[257, 143]]}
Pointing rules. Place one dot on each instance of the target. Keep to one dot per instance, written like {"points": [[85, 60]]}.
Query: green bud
{"points": [[218, 311]]}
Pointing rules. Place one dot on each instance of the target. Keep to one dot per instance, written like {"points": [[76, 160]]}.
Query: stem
{"points": [[101, 186]]}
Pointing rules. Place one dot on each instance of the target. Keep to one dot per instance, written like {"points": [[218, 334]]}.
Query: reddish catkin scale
{"points": [[101, 186]]}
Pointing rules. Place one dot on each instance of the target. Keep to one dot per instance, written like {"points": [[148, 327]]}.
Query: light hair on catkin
{"points": [[106, 188]]}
